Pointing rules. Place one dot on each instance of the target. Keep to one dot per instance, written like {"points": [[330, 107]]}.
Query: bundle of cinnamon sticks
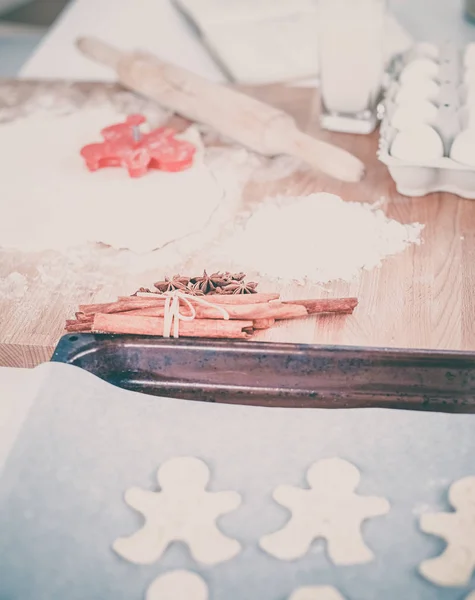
{"points": [[145, 314]]}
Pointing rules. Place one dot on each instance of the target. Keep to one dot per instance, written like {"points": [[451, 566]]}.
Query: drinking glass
{"points": [[351, 56]]}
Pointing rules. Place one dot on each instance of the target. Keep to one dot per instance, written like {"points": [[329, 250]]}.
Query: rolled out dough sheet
{"points": [[84, 442], [50, 201]]}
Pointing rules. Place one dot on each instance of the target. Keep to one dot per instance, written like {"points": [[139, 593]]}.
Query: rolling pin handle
{"points": [[100, 51]]}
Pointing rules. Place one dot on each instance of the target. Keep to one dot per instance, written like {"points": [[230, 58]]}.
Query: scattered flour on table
{"points": [[317, 238], [278, 168], [263, 169], [57, 212], [13, 286], [60, 99]]}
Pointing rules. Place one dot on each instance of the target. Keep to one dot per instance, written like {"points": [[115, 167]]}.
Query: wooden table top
{"points": [[421, 298]]}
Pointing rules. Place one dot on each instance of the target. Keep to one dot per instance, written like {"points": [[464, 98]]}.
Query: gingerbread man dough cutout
{"points": [[178, 585], [182, 511], [330, 509], [454, 567], [322, 592]]}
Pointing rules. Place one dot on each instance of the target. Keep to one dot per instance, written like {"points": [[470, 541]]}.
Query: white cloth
{"points": [[264, 41], [153, 25], [283, 26], [157, 26]]}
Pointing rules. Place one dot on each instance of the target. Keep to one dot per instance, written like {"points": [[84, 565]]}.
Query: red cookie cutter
{"points": [[127, 146]]}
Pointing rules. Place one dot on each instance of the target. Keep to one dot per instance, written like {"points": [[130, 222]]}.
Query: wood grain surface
{"points": [[421, 298]]}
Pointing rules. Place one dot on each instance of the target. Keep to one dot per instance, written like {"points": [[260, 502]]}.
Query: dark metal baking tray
{"points": [[287, 375]]}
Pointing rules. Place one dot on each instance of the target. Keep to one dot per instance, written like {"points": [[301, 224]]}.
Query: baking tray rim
{"points": [[85, 340]]}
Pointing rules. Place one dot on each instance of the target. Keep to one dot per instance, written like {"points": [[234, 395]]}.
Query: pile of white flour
{"points": [[318, 238]]}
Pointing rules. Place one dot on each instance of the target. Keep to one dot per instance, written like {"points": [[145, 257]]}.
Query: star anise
{"points": [[194, 289], [208, 284], [143, 290], [170, 284], [240, 287], [237, 276]]}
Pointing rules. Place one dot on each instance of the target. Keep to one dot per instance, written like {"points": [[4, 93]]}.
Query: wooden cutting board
{"points": [[422, 298]]}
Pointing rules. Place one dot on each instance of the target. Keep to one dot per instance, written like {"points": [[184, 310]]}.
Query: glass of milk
{"points": [[351, 56]]}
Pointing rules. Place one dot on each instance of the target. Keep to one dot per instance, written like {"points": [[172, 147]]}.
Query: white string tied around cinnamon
{"points": [[173, 316]]}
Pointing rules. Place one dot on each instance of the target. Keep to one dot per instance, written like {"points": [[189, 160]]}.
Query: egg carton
{"points": [[427, 135]]}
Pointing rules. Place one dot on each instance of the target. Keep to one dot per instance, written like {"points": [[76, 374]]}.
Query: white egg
{"points": [[407, 116], [469, 57], [422, 89], [420, 67], [449, 100], [470, 98], [463, 148], [469, 76], [419, 144], [468, 117], [426, 49]]}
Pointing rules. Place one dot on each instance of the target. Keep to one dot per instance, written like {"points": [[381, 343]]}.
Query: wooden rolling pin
{"points": [[253, 124]]}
